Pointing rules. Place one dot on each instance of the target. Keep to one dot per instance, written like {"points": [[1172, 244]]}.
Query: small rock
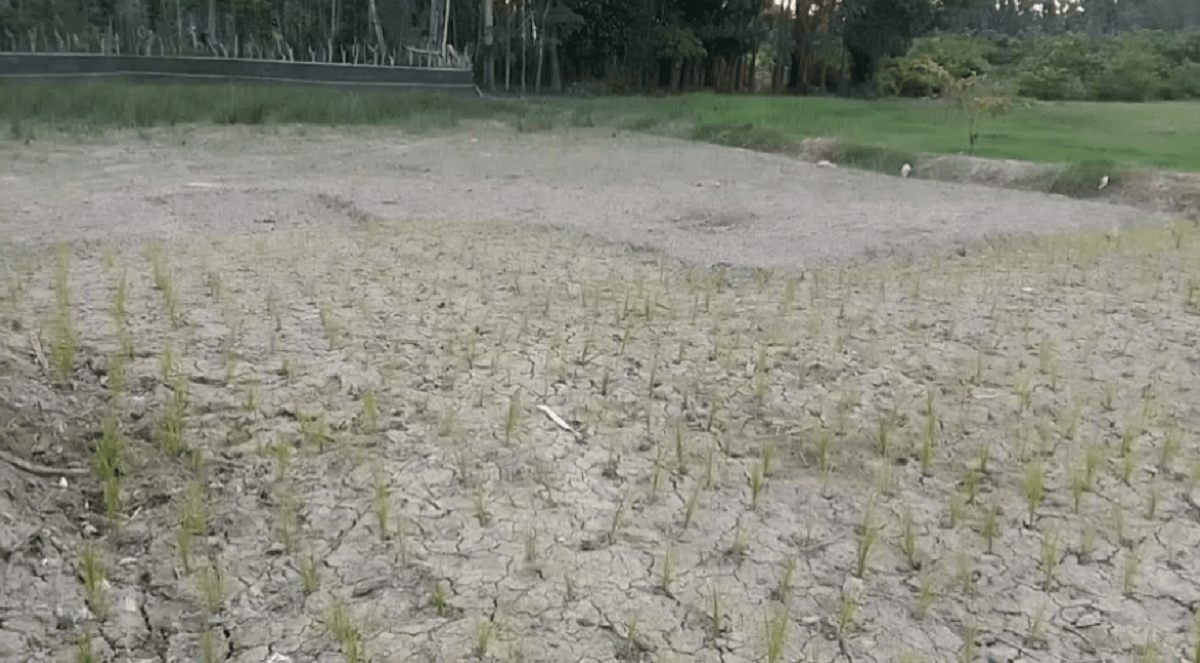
{"points": [[1002, 653]]}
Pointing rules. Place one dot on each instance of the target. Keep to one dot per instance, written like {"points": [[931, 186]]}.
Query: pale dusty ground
{"points": [[699, 202], [840, 461]]}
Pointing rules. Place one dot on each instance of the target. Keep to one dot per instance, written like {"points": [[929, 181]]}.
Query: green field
{"points": [[1155, 135], [1148, 135]]}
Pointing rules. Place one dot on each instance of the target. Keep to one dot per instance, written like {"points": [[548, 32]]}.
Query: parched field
{"points": [[318, 395]]}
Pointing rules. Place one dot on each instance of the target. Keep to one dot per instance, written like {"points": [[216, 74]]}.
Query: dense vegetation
{"points": [[1069, 49]]}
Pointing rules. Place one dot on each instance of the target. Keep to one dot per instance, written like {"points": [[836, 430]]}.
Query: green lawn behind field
{"points": [[1162, 135]]}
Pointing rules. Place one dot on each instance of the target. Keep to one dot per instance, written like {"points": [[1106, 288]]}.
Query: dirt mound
{"points": [[1167, 192]]}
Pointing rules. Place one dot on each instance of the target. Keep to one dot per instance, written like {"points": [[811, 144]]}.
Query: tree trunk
{"points": [[754, 72], [333, 26], [435, 24], [373, 17], [488, 52], [445, 27], [555, 66], [507, 50], [524, 47], [212, 25], [541, 50]]}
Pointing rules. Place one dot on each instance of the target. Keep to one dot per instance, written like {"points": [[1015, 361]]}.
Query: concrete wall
{"points": [[51, 66]]}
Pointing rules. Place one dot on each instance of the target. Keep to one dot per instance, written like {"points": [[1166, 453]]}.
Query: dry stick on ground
{"points": [[40, 470]]}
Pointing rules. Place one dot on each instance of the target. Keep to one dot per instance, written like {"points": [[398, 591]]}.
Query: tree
{"points": [[875, 29]]}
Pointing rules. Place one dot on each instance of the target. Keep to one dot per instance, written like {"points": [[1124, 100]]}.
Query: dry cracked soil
{"points": [[301, 394]]}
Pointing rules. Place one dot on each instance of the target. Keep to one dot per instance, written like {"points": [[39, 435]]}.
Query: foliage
{"points": [[959, 54], [1060, 67], [1136, 66], [911, 76], [875, 29], [677, 43], [1157, 136]]}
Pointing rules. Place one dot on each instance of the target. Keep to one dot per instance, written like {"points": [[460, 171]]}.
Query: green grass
{"points": [[1155, 135], [88, 105], [878, 135]]}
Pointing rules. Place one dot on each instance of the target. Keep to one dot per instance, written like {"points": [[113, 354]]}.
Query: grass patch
{"points": [[887, 132], [123, 104], [1150, 135]]}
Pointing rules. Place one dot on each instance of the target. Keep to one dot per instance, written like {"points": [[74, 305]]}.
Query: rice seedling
{"points": [[908, 539], [990, 527], [847, 612], [1034, 486], [368, 413], [346, 630], [211, 586], [208, 647], [108, 464], [486, 631], [666, 574], [756, 485], [439, 599], [480, 508], [94, 573], [776, 633], [968, 653], [512, 417], [314, 430], [868, 533], [1049, 557], [381, 505], [786, 585], [928, 592], [310, 574], [83, 650], [656, 472], [1131, 565], [287, 518]]}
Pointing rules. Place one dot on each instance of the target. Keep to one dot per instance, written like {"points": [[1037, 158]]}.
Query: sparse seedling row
{"points": [[963, 433]]}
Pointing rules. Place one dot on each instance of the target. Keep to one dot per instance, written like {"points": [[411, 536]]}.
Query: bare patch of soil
{"points": [[1160, 192], [370, 399]]}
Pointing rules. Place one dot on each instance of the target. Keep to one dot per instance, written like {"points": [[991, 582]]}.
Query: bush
{"points": [[1135, 71], [910, 76], [961, 56], [1082, 179], [1061, 67], [1050, 83], [932, 63], [1183, 82]]}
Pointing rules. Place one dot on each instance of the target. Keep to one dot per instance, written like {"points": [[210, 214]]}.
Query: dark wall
{"points": [[42, 66]]}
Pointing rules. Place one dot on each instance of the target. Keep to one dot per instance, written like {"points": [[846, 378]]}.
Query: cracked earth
{"points": [[577, 397]]}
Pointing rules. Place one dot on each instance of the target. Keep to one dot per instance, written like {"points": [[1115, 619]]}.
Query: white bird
{"points": [[905, 171], [825, 163], [1104, 181]]}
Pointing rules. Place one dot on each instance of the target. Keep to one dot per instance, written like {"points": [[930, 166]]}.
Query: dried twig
{"points": [[558, 421], [39, 470], [36, 342]]}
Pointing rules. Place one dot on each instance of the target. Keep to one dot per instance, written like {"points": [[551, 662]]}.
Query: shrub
{"points": [[910, 76], [960, 55], [1061, 67], [1135, 70], [1183, 82]]}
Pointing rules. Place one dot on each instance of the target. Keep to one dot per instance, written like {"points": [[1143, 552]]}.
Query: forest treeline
{"points": [[1062, 49]]}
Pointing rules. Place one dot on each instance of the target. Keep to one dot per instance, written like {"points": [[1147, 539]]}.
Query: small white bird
{"points": [[905, 171], [825, 163], [1104, 181]]}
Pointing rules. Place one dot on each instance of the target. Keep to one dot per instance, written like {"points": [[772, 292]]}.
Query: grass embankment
{"points": [[874, 134], [1150, 135]]}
